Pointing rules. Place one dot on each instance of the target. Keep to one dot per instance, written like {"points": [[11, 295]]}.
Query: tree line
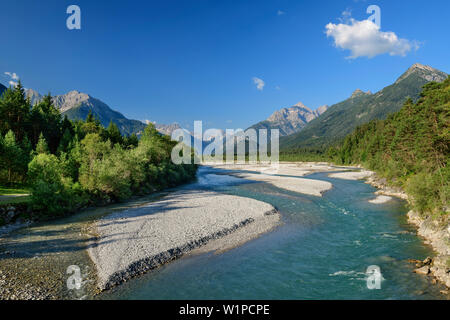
{"points": [[410, 148], [70, 164]]}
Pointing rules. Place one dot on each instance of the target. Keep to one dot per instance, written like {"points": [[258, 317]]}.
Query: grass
{"points": [[5, 191], [13, 195], [16, 200]]}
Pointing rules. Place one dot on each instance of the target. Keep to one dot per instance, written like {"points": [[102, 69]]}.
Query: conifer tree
{"points": [[42, 146], [113, 133], [12, 154]]}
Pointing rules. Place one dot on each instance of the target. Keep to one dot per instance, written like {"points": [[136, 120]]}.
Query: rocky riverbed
{"points": [[135, 241]]}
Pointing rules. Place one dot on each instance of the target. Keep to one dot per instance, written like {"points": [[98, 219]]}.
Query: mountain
{"points": [[342, 118], [2, 88], [76, 105], [166, 129], [290, 120]]}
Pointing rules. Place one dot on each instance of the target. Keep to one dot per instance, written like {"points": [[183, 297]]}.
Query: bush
{"points": [[51, 193]]}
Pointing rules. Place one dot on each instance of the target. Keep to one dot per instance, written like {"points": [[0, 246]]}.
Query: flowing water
{"points": [[321, 251]]}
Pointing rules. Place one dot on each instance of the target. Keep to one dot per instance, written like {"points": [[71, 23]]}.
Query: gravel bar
{"points": [[134, 241]]}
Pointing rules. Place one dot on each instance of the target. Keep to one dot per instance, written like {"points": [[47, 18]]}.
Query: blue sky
{"points": [[180, 61]]}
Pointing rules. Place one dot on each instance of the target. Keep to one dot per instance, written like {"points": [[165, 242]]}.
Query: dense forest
{"points": [[410, 148], [70, 164]]}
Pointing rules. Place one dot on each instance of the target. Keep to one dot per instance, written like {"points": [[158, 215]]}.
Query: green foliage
{"points": [[51, 192], [14, 112], [68, 164], [13, 190], [13, 159], [410, 148], [113, 134], [46, 120], [302, 154], [42, 146]]}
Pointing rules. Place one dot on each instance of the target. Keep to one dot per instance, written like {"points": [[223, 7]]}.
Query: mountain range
{"points": [[342, 118], [300, 127], [290, 120], [77, 105]]}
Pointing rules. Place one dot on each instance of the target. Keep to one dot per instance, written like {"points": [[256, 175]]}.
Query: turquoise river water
{"points": [[321, 251]]}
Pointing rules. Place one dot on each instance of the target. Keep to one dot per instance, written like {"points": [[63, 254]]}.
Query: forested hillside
{"points": [[342, 118], [410, 148], [69, 164]]}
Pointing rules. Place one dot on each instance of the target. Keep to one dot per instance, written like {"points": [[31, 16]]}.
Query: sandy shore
{"points": [[134, 241]]}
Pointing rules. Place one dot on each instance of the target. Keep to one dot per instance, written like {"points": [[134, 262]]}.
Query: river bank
{"points": [[434, 230], [133, 242], [120, 242]]}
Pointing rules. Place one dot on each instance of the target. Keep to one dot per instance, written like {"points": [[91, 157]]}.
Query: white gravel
{"points": [[300, 185], [134, 241], [286, 176], [352, 175], [380, 199]]}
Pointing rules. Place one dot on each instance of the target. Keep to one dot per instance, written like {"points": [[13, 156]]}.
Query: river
{"points": [[321, 251]]}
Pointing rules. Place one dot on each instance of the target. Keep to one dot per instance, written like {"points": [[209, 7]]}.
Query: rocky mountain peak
{"points": [[359, 92], [301, 105], [425, 72], [76, 105], [33, 95], [321, 110], [292, 119]]}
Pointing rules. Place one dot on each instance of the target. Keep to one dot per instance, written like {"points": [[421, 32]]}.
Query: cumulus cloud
{"points": [[365, 39], [259, 83], [280, 12], [13, 78]]}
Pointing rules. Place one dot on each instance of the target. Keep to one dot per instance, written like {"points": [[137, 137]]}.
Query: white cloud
{"points": [[259, 83], [365, 39], [13, 78], [12, 75], [280, 12]]}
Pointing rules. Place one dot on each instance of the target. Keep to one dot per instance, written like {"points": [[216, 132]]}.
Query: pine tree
{"points": [[42, 146], [12, 154], [64, 142], [113, 133], [131, 141], [14, 112]]}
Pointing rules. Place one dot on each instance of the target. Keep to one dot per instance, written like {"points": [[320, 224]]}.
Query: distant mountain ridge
{"points": [[290, 120], [77, 105], [342, 118]]}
